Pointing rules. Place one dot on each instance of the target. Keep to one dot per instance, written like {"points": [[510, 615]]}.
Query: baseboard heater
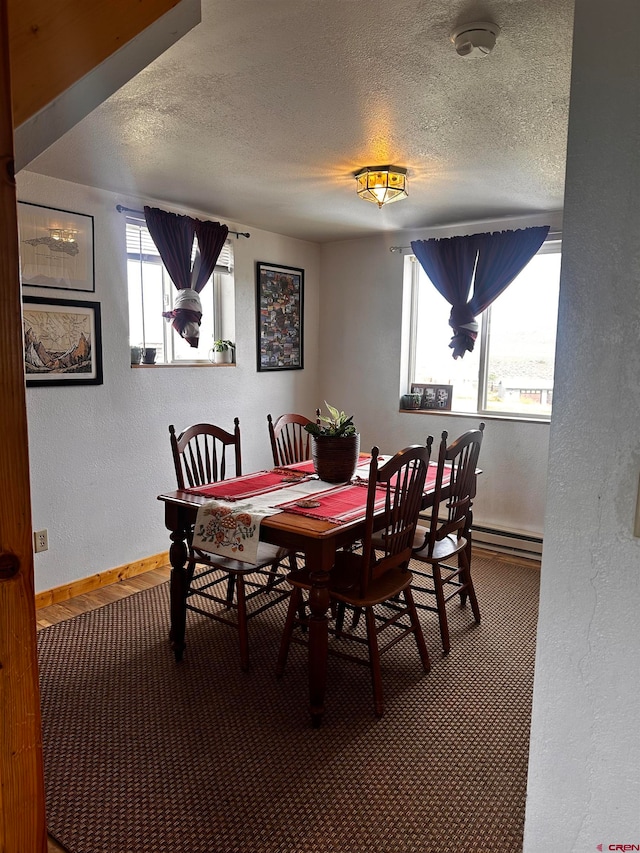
{"points": [[508, 541]]}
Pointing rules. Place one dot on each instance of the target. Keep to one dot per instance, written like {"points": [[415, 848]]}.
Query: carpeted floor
{"points": [[146, 756]]}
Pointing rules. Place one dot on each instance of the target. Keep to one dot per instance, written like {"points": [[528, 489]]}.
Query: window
{"points": [[510, 370], [151, 292]]}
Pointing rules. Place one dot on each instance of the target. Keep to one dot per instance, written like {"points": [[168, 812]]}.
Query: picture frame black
{"points": [[62, 342], [279, 317], [434, 397], [56, 248]]}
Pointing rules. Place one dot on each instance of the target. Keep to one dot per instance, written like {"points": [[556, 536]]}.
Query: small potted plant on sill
{"points": [[411, 401], [222, 352], [335, 445]]}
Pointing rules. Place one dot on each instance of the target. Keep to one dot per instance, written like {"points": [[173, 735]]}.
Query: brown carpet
{"points": [[146, 756]]}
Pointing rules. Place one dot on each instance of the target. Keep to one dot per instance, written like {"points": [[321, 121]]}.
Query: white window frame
{"points": [[217, 298], [552, 244]]}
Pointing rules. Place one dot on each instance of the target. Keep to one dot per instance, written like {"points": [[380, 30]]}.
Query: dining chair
{"points": [[200, 454], [447, 537], [290, 443], [377, 579], [200, 457]]}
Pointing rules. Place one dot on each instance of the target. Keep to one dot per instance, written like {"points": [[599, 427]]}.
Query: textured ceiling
{"points": [[262, 113]]}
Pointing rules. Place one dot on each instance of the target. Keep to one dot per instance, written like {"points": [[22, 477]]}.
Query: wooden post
{"points": [[22, 810]]}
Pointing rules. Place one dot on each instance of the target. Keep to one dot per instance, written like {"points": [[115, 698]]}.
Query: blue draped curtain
{"points": [[173, 235], [488, 262]]}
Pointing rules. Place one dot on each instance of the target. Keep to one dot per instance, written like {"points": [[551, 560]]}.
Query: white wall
{"points": [[361, 327], [100, 455], [584, 770]]}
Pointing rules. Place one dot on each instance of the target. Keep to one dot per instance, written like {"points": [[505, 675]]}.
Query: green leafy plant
{"points": [[337, 425], [223, 346]]}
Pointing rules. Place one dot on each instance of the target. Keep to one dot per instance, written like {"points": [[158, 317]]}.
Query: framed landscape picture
{"points": [[56, 248], [62, 342], [280, 294]]}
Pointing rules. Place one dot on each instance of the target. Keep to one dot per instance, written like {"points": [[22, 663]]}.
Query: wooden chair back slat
{"points": [[290, 442], [218, 469], [200, 453], [402, 478]]}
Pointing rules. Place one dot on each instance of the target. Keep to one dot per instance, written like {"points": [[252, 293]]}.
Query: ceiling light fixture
{"points": [[63, 235], [477, 38], [382, 184]]}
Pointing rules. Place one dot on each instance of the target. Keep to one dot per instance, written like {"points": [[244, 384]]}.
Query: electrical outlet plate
{"points": [[40, 541]]}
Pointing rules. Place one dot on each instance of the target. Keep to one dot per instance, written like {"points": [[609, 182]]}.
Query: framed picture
{"points": [[62, 342], [437, 397], [56, 248], [280, 293]]}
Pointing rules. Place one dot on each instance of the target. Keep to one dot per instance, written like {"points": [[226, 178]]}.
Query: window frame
{"points": [[551, 245], [213, 302]]}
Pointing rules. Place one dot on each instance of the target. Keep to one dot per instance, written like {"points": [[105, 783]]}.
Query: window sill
{"points": [[484, 416], [185, 364]]}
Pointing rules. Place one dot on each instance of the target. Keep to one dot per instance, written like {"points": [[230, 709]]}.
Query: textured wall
{"points": [[361, 326], [100, 454], [584, 772]]}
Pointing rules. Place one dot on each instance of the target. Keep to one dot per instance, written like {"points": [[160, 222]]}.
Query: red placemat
{"points": [[430, 480], [308, 468], [238, 488], [432, 472], [303, 467], [339, 505]]}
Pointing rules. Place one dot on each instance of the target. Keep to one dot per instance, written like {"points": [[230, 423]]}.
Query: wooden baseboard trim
{"points": [[129, 570], [63, 593]]}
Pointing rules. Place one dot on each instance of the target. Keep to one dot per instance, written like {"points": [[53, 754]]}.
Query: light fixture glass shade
{"points": [[64, 235], [382, 184]]}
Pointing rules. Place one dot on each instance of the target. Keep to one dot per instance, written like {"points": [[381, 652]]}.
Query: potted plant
{"points": [[222, 352], [411, 401], [335, 445]]}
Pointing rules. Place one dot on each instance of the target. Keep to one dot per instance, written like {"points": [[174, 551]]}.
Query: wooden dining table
{"points": [[317, 539]]}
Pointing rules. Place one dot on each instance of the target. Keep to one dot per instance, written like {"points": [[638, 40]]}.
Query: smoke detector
{"points": [[477, 38]]}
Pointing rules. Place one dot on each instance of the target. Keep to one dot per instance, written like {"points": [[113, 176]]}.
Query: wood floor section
{"points": [[55, 613]]}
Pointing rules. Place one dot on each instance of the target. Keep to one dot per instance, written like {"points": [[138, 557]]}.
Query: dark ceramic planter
{"points": [[335, 459]]}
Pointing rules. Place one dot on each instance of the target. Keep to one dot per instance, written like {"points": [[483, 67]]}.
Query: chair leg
{"points": [[462, 577], [357, 613], [340, 612], [417, 630], [302, 614], [469, 588], [231, 585], [191, 568], [442, 608], [242, 623], [295, 603], [374, 662], [341, 609], [273, 576]]}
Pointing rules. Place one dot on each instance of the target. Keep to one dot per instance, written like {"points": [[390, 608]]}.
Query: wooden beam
{"points": [[22, 809], [53, 45], [56, 117]]}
